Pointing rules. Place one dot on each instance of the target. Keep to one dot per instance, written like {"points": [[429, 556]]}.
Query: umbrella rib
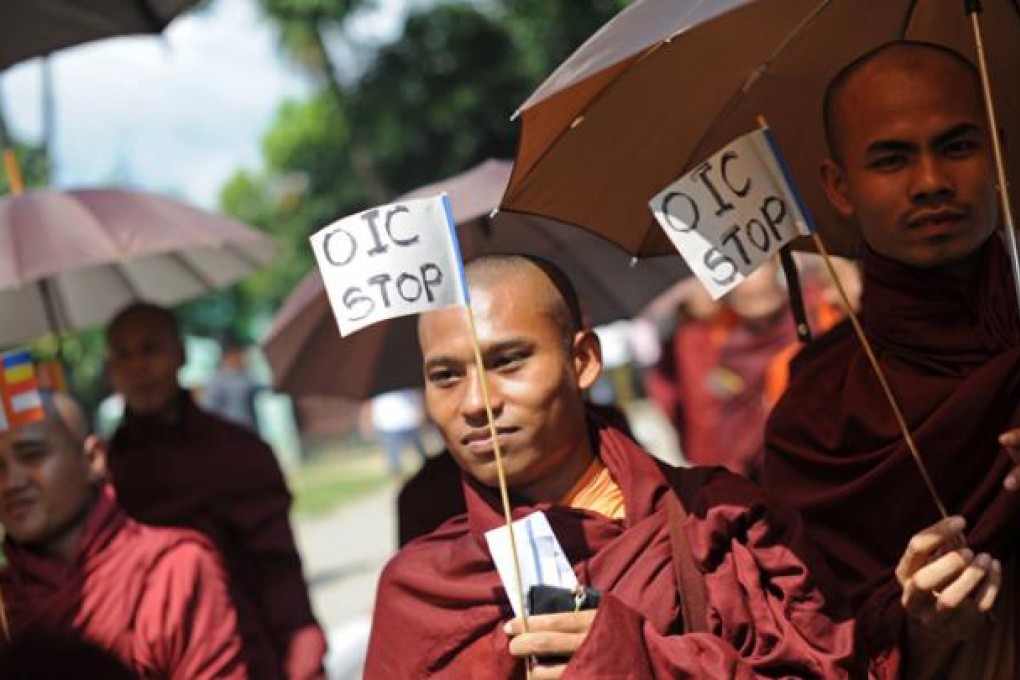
{"points": [[248, 260], [908, 16], [207, 283], [753, 78], [128, 283]]}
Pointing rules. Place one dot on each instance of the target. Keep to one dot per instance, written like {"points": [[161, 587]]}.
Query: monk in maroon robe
{"points": [[712, 378], [174, 464], [78, 567], [699, 576], [911, 159]]}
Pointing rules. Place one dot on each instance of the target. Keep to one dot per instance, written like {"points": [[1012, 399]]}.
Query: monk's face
{"points": [[143, 357], [535, 379], [915, 164], [46, 482]]}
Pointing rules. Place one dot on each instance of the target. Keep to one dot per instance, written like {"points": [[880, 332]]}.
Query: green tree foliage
{"points": [[548, 31], [439, 100], [433, 103]]}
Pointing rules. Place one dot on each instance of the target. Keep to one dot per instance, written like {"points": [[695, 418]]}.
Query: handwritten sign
{"points": [[732, 212], [390, 261]]}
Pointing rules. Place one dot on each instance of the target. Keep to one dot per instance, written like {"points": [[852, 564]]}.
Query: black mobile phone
{"points": [[544, 599]]}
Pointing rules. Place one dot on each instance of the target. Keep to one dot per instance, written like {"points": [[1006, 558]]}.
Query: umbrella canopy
{"points": [[69, 260], [668, 82], [308, 355], [35, 28]]}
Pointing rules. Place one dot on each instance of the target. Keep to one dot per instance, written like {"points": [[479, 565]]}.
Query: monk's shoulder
{"points": [[152, 545], [218, 427], [434, 554], [705, 490]]}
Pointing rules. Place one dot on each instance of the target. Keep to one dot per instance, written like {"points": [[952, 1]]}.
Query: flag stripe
{"points": [[25, 402], [17, 374]]}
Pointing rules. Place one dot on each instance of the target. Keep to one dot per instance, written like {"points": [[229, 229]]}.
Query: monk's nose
{"points": [[931, 181], [473, 404]]}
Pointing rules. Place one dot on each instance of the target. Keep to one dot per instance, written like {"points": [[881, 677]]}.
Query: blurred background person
{"points": [[231, 392], [710, 380], [396, 420]]}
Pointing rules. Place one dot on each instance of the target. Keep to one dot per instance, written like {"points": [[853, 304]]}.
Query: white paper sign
{"points": [[543, 561], [391, 261], [731, 213]]}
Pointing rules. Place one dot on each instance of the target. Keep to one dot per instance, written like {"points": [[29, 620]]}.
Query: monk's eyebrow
{"points": [[883, 146], [440, 360], [953, 133], [495, 348], [506, 345]]}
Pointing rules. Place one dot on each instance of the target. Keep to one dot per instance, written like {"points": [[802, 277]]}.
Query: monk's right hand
{"points": [[556, 635], [947, 590]]}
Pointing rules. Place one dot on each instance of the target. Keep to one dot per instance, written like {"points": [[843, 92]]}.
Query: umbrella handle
{"points": [[974, 11]]}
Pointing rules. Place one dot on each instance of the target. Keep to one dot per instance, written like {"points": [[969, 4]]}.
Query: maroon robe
{"points": [[218, 477], [155, 597], [440, 604], [951, 352]]}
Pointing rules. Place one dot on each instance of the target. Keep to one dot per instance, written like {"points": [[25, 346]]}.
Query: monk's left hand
{"points": [[549, 635], [1011, 443]]}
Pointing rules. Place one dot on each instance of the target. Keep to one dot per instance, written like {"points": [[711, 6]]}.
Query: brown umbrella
{"points": [[70, 259], [668, 82], [37, 27], [308, 356]]}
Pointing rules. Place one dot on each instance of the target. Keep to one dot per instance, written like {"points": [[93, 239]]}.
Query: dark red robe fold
{"points": [[440, 604], [221, 479], [951, 352], [155, 597]]}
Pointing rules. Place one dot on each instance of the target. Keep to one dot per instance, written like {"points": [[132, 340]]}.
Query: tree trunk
{"points": [[361, 156]]}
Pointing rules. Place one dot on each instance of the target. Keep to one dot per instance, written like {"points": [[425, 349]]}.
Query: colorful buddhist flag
{"points": [[22, 402]]}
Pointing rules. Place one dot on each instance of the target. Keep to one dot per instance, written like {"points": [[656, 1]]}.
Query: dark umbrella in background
{"points": [[309, 357], [39, 27], [36, 28]]}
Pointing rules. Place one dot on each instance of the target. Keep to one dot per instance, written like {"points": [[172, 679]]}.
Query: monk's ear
{"points": [[834, 182], [95, 459], [587, 358]]}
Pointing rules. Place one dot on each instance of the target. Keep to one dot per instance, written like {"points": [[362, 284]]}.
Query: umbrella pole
{"points": [[974, 10]]}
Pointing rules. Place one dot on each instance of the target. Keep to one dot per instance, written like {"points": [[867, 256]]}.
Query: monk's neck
{"points": [[553, 486], [62, 545]]}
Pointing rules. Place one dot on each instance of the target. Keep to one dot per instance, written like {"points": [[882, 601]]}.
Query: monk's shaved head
{"points": [[907, 58], [558, 298], [154, 315], [66, 414]]}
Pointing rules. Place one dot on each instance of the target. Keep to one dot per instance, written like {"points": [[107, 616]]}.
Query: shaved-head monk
{"points": [[78, 567], [173, 463], [699, 576], [911, 161]]}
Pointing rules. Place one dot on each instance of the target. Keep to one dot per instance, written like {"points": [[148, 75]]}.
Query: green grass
{"points": [[335, 478]]}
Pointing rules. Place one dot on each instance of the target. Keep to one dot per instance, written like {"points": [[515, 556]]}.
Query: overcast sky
{"points": [[176, 114]]}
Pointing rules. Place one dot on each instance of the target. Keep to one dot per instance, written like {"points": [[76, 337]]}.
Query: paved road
{"points": [[344, 553]]}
